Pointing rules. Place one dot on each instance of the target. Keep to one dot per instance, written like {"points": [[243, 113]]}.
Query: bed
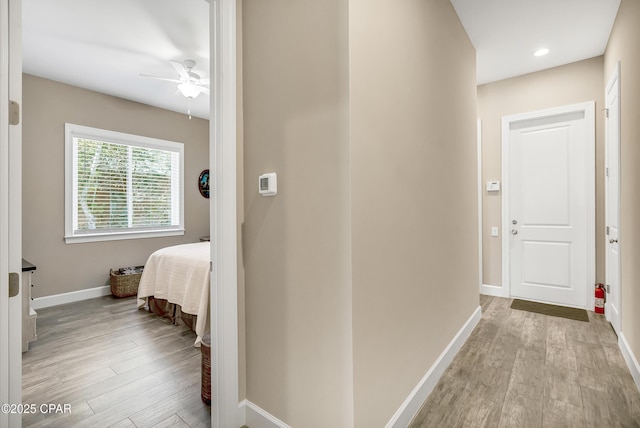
{"points": [[175, 284]]}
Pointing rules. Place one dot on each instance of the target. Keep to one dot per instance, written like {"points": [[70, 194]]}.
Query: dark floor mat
{"points": [[553, 310]]}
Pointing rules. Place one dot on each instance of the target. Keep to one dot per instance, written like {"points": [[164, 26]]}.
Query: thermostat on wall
{"points": [[268, 184], [493, 186]]}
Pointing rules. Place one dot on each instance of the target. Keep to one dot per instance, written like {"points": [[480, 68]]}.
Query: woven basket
{"points": [[124, 281], [205, 389]]}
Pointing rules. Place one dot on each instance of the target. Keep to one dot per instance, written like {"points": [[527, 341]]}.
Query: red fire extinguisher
{"points": [[599, 309]]}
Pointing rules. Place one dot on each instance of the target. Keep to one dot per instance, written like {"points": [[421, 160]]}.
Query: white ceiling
{"points": [[105, 45], [506, 33]]}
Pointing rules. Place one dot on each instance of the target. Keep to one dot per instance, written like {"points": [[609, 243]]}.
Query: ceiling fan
{"points": [[189, 83]]}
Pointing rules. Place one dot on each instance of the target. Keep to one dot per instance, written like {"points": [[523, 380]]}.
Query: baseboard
{"points": [[414, 401], [630, 358], [74, 296], [493, 290], [256, 417]]}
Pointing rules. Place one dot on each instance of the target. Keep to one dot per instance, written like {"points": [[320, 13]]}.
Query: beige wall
{"points": [[568, 84], [357, 258], [414, 198], [296, 244], [623, 46], [47, 105]]}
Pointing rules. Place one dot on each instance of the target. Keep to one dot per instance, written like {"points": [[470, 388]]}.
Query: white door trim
{"points": [[15, 204], [589, 113], [4, 208], [614, 79], [225, 409], [10, 210], [479, 155]]}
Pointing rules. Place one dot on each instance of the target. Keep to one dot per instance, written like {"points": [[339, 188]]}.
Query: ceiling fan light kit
{"points": [[189, 83], [189, 90]]}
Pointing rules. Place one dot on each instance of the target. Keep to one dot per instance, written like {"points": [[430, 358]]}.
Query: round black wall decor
{"points": [[203, 183]]}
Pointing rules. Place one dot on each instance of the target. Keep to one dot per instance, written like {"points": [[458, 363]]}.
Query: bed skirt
{"points": [[173, 312]]}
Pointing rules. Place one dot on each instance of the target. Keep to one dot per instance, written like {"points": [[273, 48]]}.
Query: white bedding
{"points": [[180, 274]]}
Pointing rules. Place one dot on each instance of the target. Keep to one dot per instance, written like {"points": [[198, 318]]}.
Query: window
{"points": [[121, 186]]}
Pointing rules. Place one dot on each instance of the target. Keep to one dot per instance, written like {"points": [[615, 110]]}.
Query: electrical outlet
{"points": [[494, 231]]}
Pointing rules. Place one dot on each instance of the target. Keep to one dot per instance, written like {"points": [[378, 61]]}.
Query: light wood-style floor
{"points": [[116, 366], [121, 367], [521, 369]]}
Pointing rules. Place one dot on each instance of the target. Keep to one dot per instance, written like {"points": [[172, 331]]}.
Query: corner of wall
{"points": [[630, 358], [411, 406]]}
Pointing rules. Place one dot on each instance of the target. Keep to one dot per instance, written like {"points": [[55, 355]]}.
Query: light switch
{"points": [[494, 231]]}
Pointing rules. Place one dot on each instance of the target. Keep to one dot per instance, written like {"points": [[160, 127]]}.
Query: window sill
{"points": [[118, 236]]}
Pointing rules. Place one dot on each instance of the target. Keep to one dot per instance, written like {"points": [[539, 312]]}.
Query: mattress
{"points": [[180, 275]]}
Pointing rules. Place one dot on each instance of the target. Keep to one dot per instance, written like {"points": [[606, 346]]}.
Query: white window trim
{"points": [[78, 131]]}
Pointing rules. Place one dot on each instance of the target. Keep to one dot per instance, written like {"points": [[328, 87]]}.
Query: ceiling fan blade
{"points": [[203, 81], [161, 78], [182, 71], [204, 90]]}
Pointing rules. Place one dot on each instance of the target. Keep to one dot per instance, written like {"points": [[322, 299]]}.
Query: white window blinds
{"points": [[121, 186]]}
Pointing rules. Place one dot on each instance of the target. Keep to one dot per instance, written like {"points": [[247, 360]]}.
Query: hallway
{"points": [[521, 369]]}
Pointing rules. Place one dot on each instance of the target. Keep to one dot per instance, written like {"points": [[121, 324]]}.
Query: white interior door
{"points": [[550, 205], [10, 213], [612, 200]]}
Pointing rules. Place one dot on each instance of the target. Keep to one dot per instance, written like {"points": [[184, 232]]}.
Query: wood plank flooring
{"points": [[120, 367], [116, 366], [521, 369]]}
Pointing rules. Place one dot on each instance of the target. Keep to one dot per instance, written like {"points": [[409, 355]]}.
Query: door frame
{"points": [[614, 79], [225, 409], [480, 217], [10, 209], [589, 114], [223, 222]]}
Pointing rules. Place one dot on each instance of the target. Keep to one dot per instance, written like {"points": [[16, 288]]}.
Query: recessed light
{"points": [[541, 52]]}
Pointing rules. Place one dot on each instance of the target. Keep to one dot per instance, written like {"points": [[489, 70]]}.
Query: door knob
{"points": [[514, 232], [613, 241]]}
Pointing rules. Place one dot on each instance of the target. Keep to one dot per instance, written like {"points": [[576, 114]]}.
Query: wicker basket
{"points": [[124, 281], [205, 375]]}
